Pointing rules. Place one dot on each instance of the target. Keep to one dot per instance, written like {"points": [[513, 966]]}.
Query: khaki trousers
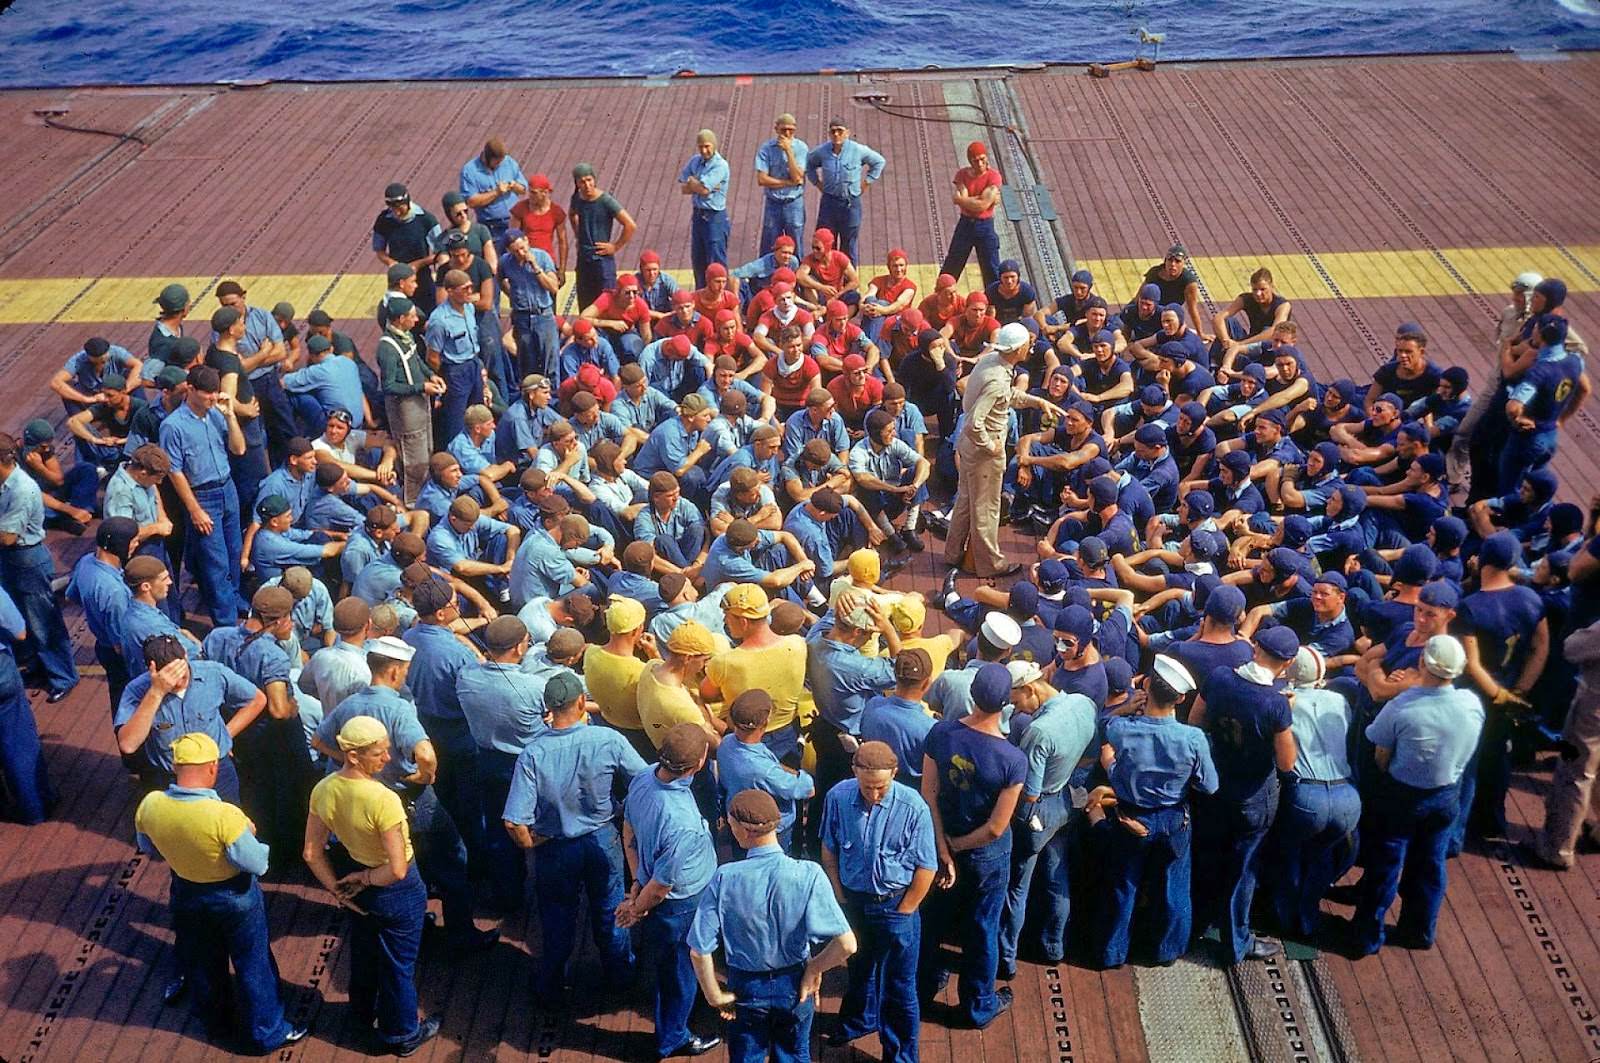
{"points": [[411, 425], [975, 514], [1573, 798]]}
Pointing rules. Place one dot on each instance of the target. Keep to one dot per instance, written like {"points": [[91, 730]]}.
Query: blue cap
{"points": [[1103, 336], [1277, 416], [1009, 265], [1432, 465], [1256, 372], [1194, 411], [1102, 491], [1204, 584], [1226, 603], [1353, 501], [1261, 523], [1092, 551], [1296, 531], [1052, 575], [1334, 579], [1543, 482], [1177, 350], [1207, 546], [1119, 674], [1150, 435], [513, 235], [1279, 642], [1416, 430], [991, 687], [1554, 291], [1150, 292], [1152, 395], [1552, 330], [1441, 594], [1416, 565], [1077, 621], [1236, 462], [1084, 408], [1330, 454], [1565, 518], [1449, 533], [1288, 350], [1201, 504], [1023, 600], [1284, 561], [1083, 276], [1175, 309], [1096, 466], [1347, 389], [1392, 399], [1409, 329], [1501, 550]]}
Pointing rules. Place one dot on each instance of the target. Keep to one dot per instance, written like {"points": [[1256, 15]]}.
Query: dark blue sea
{"points": [[63, 42]]}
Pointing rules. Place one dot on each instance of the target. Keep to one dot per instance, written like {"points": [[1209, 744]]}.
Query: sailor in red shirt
{"points": [[827, 274], [588, 379], [716, 295], [944, 305], [899, 336], [976, 191], [855, 391], [969, 332], [762, 301], [544, 223], [838, 338], [786, 310], [889, 294], [729, 339], [792, 372], [623, 317], [685, 320]]}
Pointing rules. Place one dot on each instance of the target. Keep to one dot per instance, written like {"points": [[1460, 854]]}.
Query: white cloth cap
{"points": [[1528, 281], [1009, 338], [1443, 656], [1023, 672], [1174, 674], [1308, 668], [1001, 630], [389, 646]]}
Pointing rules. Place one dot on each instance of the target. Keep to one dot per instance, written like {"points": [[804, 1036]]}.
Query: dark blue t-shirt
{"points": [[1203, 658], [973, 768], [1090, 682], [1503, 622], [1242, 719]]}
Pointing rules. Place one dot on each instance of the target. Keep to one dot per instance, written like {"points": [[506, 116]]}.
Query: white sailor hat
{"points": [[1001, 630], [389, 646], [1173, 673]]}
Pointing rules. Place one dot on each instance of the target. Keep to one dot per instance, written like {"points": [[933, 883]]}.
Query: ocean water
{"points": [[48, 42]]}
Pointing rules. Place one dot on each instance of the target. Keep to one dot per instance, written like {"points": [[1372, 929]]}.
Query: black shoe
{"points": [[1262, 950], [474, 941], [174, 990], [1005, 972], [427, 1030], [893, 543], [294, 1036], [695, 1046], [836, 1038], [912, 540], [947, 588], [58, 695], [1004, 994]]}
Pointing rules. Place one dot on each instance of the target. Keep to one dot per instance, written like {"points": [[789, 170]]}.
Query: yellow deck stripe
{"points": [[1358, 275]]}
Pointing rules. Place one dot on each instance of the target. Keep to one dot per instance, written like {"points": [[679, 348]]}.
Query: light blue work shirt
{"points": [[503, 704], [440, 660], [908, 424], [1056, 738], [950, 695], [745, 456], [198, 447], [842, 679], [799, 430], [893, 464], [651, 408], [575, 356], [139, 622], [360, 550], [549, 461], [606, 426], [564, 779], [1158, 761], [724, 564], [86, 379], [212, 688], [453, 333], [668, 375], [903, 726], [521, 429], [260, 327], [540, 568], [378, 581], [474, 457], [272, 551], [774, 162], [722, 501], [447, 547], [649, 524], [727, 436], [1321, 725], [840, 173], [752, 766], [1432, 731], [476, 178], [707, 610], [713, 174], [126, 498], [880, 847], [767, 911], [22, 508], [335, 382], [103, 595], [670, 836], [295, 489], [521, 282], [398, 716], [535, 616]]}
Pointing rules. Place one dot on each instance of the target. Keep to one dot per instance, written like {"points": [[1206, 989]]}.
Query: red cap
{"points": [[539, 180], [977, 299], [678, 346], [976, 148], [582, 327], [626, 279], [683, 297], [824, 237], [588, 375], [854, 361], [782, 275], [648, 258], [837, 308], [716, 269], [782, 288], [725, 315], [784, 240], [897, 252], [911, 319], [945, 281]]}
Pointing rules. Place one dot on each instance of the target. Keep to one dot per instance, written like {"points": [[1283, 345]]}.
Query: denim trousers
{"points": [[1162, 856], [221, 922], [26, 573], [1029, 849], [214, 558], [769, 1020], [1314, 840], [663, 936], [970, 913], [383, 955], [882, 993], [1232, 831], [562, 868], [1405, 834]]}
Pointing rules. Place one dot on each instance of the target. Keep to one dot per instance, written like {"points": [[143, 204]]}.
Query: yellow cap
{"points": [[691, 639], [865, 567], [623, 614], [908, 614], [749, 601], [195, 748], [359, 732]]}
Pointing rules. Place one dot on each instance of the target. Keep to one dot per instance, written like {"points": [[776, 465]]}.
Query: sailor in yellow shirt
{"points": [[611, 672], [217, 908], [377, 880], [908, 615], [762, 660], [669, 688]]}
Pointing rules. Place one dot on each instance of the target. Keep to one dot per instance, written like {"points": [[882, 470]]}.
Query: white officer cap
{"points": [[1174, 674], [1009, 338], [389, 646], [1001, 630], [1444, 657]]}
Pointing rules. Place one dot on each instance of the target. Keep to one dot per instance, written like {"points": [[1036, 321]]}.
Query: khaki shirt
{"points": [[987, 403]]}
